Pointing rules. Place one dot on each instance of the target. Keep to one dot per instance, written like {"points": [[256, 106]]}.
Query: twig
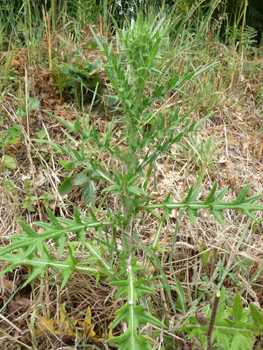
{"points": [[11, 324], [212, 321], [28, 146]]}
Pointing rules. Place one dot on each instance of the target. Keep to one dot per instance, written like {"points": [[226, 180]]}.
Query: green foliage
{"points": [[28, 203], [234, 329], [202, 152], [205, 256], [22, 110], [12, 138], [134, 315], [33, 251], [30, 200], [245, 37], [10, 188], [84, 11], [28, 187], [8, 162], [78, 74], [20, 11], [46, 198]]}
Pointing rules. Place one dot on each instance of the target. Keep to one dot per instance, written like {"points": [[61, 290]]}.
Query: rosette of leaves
{"points": [[79, 73]]}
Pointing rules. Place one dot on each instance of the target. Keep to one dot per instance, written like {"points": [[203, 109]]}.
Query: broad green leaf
{"points": [[41, 133], [66, 186], [67, 165], [33, 104], [88, 192], [80, 179], [13, 132], [8, 162], [11, 141]]}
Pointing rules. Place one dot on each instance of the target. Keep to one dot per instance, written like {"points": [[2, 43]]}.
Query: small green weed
{"points": [[12, 137], [79, 74]]}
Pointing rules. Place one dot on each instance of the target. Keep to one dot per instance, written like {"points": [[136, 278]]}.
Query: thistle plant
{"points": [[233, 328], [139, 75]]}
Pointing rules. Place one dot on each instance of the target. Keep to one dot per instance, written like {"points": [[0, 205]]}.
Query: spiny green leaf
{"points": [[240, 198], [61, 244], [210, 197], [191, 213], [66, 274], [248, 213], [82, 236], [130, 341], [92, 214], [122, 314], [136, 190], [237, 308], [220, 195], [76, 216], [242, 342], [153, 256], [146, 317], [256, 315], [29, 231], [39, 271], [189, 194], [120, 283], [218, 215], [54, 219]]}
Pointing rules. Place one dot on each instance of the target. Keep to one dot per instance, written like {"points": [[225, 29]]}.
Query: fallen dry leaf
{"points": [[20, 303]]}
